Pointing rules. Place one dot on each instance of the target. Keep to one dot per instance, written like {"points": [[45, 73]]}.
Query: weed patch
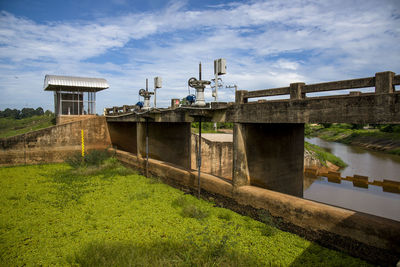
{"points": [[223, 215], [51, 216], [189, 208], [92, 158], [323, 156], [193, 211]]}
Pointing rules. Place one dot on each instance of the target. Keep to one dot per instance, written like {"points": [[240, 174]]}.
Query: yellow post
{"points": [[83, 144]]}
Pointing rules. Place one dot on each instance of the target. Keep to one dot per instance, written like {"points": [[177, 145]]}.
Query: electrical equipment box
{"points": [[157, 82], [220, 66], [175, 103]]}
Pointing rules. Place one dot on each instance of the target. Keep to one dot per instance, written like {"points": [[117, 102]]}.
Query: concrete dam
{"points": [[267, 154]]}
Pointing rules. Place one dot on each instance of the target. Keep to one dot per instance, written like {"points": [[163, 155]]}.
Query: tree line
{"points": [[24, 113]]}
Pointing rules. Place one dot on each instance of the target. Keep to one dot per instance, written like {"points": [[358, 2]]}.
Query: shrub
{"points": [[96, 157], [193, 211], [92, 158], [225, 215], [75, 160], [326, 125], [190, 209], [387, 128]]}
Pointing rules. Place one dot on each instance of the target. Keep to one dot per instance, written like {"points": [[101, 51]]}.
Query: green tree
{"points": [[48, 113], [39, 111], [27, 112]]}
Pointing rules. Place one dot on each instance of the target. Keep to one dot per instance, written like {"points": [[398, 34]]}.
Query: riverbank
{"points": [[374, 139]]}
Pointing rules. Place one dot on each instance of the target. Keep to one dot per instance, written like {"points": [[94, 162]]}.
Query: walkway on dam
{"points": [[218, 137]]}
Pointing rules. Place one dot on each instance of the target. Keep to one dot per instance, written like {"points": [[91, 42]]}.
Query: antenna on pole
{"points": [[200, 71]]}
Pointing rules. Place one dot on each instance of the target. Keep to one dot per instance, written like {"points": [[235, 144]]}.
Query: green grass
{"points": [[323, 156], [344, 134], [107, 215], [395, 151], [10, 127]]}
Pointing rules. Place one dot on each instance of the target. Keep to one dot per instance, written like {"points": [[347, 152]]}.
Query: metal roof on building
{"points": [[69, 83]]}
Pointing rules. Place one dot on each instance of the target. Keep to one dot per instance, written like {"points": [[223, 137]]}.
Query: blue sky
{"points": [[266, 44]]}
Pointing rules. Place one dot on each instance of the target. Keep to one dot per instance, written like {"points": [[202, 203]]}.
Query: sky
{"points": [[266, 44]]}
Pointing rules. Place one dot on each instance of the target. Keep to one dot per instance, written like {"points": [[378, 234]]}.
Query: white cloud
{"points": [[266, 44]]}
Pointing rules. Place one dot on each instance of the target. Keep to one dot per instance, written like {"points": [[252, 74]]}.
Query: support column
{"points": [[239, 97], [296, 91], [384, 82], [269, 156], [240, 170]]}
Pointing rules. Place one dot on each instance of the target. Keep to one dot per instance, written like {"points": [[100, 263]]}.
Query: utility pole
{"points": [[219, 69]]}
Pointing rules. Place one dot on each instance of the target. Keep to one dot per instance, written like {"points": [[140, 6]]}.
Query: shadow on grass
{"points": [[159, 254], [315, 255], [348, 250]]}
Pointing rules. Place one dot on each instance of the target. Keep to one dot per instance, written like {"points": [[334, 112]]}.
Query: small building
{"points": [[74, 97]]}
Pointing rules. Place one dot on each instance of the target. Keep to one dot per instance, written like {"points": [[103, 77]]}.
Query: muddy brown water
{"points": [[375, 165]]}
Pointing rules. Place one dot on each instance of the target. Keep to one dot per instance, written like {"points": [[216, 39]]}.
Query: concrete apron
{"points": [[362, 235]]}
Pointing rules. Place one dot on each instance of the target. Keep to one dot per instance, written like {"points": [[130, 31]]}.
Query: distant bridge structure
{"points": [[268, 136]]}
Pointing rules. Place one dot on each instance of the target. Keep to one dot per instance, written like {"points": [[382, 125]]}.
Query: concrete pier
{"points": [[270, 156]]}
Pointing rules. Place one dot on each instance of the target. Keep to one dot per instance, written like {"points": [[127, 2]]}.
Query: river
{"points": [[375, 165]]}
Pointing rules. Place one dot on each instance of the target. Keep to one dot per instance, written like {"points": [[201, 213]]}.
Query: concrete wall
{"points": [[169, 142], [270, 156], [358, 234], [123, 135], [216, 157], [55, 143], [61, 119]]}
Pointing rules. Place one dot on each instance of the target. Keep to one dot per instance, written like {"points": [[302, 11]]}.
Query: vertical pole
{"points": [[147, 147], [73, 103], [216, 86], [199, 161], [94, 98], [83, 145], [79, 104], [199, 71], [60, 106], [216, 91], [25, 148], [155, 97]]}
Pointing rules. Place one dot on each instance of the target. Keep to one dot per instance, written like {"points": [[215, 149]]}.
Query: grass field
{"points": [[10, 126], [110, 216]]}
